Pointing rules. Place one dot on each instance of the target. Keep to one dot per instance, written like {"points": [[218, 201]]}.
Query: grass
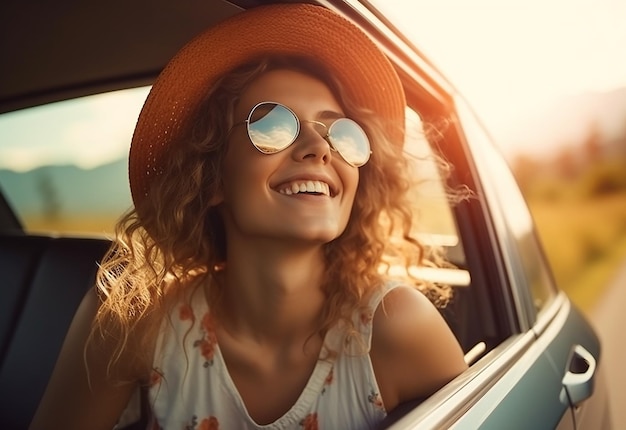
{"points": [[588, 288], [102, 225], [585, 241]]}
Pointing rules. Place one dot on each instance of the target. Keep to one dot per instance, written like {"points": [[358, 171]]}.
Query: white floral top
{"points": [[341, 393]]}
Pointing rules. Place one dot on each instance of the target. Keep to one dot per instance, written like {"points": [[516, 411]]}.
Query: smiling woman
{"points": [[220, 280]]}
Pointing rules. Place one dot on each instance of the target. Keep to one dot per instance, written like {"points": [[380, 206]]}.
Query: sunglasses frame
{"points": [[326, 137]]}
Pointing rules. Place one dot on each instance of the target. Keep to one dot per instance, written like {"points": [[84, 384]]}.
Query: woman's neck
{"points": [[273, 296]]}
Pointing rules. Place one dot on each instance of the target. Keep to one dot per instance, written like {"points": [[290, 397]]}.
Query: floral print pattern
{"points": [[207, 343], [309, 422], [367, 317], [156, 375], [185, 312], [329, 380], [375, 399], [210, 423]]}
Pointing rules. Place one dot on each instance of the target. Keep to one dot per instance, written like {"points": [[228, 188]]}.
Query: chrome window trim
{"points": [[445, 408], [472, 384]]}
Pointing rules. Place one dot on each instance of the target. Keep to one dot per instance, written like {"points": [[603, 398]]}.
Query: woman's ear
{"points": [[218, 197]]}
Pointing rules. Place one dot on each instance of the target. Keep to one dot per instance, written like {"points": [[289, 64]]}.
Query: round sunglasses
{"points": [[273, 127]]}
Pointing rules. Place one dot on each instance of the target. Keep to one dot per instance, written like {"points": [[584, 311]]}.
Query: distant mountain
{"points": [[69, 189], [570, 121]]}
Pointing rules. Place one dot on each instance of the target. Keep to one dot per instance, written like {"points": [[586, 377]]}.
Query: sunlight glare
{"points": [[513, 59]]}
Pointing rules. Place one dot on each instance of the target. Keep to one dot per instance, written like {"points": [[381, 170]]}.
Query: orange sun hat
{"points": [[284, 29]]}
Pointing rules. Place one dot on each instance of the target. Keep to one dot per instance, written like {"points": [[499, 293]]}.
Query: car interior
{"points": [[74, 49]]}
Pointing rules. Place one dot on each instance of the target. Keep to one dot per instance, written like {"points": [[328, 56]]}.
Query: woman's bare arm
{"points": [[414, 352], [74, 401]]}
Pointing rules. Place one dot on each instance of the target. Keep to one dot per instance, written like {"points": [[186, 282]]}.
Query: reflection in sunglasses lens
{"points": [[350, 140], [272, 127]]}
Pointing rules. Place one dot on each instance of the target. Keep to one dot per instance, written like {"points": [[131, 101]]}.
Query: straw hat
{"points": [[290, 29]]}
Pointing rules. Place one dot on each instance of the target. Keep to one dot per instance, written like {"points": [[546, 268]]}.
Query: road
{"points": [[609, 319]]}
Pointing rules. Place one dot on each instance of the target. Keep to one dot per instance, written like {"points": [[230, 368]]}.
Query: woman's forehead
{"points": [[302, 92]]}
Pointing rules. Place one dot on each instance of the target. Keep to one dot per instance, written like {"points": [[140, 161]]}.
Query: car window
{"points": [[63, 166], [434, 222]]}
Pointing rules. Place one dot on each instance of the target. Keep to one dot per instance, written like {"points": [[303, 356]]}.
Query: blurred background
{"points": [[548, 79]]}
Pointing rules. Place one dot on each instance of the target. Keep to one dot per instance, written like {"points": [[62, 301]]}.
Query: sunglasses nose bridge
{"points": [[314, 141], [321, 129]]}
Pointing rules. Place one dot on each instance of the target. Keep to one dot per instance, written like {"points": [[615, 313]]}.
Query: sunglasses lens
{"points": [[350, 141], [272, 127]]}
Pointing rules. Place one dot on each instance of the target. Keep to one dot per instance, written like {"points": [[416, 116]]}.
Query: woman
{"points": [[247, 287]]}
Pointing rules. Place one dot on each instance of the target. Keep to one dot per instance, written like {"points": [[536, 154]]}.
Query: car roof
{"points": [[53, 51]]}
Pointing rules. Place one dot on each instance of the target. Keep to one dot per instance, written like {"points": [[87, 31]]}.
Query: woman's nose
{"points": [[311, 143]]}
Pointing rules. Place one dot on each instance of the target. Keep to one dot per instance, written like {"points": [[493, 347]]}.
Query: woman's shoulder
{"points": [[403, 310], [414, 352]]}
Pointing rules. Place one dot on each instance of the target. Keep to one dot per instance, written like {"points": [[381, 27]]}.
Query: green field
{"points": [[585, 241]]}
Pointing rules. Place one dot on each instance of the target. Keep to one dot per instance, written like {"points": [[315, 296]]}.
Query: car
{"points": [[68, 71]]}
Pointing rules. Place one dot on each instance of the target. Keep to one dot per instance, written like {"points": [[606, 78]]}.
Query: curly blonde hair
{"points": [[178, 240]]}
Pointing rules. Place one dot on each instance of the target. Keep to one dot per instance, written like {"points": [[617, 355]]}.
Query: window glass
{"points": [[63, 166], [434, 222]]}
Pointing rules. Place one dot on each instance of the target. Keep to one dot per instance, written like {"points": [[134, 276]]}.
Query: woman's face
{"points": [[259, 197]]}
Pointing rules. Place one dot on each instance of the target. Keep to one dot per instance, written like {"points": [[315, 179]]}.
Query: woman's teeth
{"points": [[316, 187]]}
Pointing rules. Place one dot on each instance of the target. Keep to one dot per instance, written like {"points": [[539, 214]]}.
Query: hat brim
{"points": [[281, 29]]}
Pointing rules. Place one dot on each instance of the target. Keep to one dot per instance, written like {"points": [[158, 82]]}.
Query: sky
{"points": [[85, 132], [512, 59]]}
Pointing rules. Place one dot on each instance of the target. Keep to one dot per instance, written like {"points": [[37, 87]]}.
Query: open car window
{"points": [[433, 219]]}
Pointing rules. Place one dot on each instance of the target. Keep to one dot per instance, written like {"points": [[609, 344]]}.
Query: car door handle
{"points": [[578, 381]]}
